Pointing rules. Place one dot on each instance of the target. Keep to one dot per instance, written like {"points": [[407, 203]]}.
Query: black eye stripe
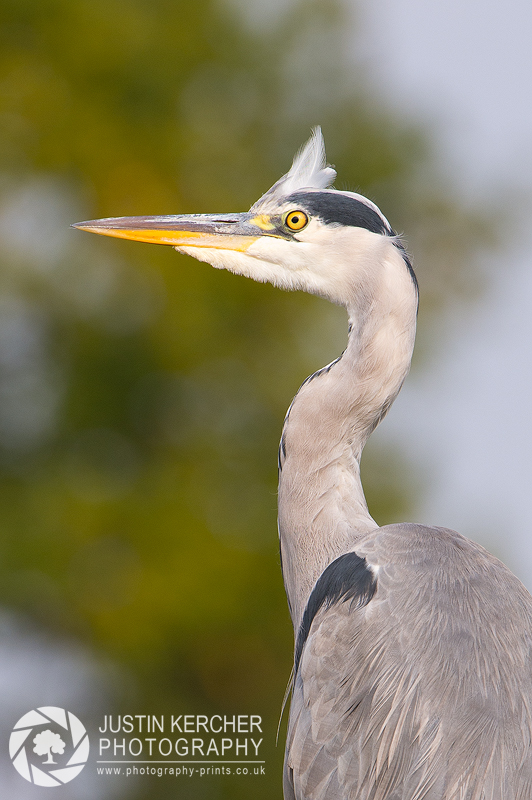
{"points": [[331, 207]]}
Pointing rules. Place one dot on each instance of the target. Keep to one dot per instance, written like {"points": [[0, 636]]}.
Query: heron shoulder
{"points": [[410, 690], [442, 584], [424, 602]]}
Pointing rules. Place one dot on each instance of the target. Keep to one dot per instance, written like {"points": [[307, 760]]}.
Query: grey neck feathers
{"points": [[322, 508]]}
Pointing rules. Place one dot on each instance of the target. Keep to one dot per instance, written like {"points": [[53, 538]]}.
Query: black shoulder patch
{"points": [[346, 578], [340, 208]]}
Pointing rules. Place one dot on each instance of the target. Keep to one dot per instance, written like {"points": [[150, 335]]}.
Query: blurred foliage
{"points": [[141, 393]]}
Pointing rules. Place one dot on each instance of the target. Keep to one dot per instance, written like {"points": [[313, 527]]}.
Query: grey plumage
{"points": [[424, 693], [413, 673]]}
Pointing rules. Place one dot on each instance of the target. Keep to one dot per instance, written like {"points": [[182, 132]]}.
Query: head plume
{"points": [[308, 171]]}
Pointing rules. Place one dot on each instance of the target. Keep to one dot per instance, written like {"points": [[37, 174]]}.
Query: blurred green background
{"points": [[142, 393]]}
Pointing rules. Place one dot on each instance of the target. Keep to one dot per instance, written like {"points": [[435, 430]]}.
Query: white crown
{"points": [[308, 171]]}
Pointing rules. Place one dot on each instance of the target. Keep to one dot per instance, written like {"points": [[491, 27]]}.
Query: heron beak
{"points": [[221, 231]]}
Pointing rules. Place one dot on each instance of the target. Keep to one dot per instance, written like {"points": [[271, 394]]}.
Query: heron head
{"points": [[301, 234]]}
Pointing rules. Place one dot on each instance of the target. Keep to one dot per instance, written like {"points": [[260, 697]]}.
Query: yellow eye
{"points": [[296, 220]]}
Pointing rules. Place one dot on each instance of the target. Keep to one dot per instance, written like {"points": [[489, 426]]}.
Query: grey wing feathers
{"points": [[425, 693]]}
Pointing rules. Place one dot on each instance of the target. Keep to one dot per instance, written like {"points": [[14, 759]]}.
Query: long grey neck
{"points": [[322, 508]]}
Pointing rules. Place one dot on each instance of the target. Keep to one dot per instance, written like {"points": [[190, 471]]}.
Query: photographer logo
{"points": [[49, 746]]}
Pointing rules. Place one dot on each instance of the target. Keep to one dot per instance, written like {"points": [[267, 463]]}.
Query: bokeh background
{"points": [[142, 393]]}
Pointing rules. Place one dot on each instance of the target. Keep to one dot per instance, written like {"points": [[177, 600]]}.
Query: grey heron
{"points": [[413, 645]]}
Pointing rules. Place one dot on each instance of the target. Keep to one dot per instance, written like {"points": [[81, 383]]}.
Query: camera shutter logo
{"points": [[49, 746]]}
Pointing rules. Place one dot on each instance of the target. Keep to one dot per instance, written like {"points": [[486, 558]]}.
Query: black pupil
{"points": [[295, 220]]}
